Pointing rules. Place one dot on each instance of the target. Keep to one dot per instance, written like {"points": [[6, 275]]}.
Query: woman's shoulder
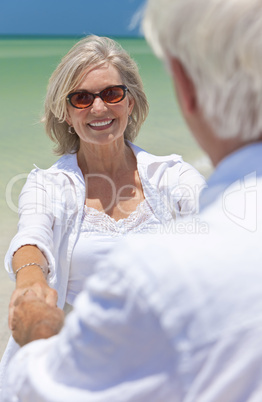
{"points": [[65, 167], [169, 169], [66, 163], [145, 157]]}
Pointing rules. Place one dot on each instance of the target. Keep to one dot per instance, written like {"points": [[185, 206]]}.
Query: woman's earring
{"points": [[71, 130], [130, 120]]}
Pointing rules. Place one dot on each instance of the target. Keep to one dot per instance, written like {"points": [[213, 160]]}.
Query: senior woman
{"points": [[103, 186]]}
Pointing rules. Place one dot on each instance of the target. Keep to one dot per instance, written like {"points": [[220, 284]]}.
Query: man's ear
{"points": [[184, 86]]}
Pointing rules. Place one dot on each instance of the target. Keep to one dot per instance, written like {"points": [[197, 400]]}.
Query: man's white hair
{"points": [[219, 43]]}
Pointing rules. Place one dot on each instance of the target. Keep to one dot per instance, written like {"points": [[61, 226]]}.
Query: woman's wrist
{"points": [[30, 277], [43, 268]]}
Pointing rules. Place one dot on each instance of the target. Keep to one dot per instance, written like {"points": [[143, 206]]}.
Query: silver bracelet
{"points": [[44, 270]]}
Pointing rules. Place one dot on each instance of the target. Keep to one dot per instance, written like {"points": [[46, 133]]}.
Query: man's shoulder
{"points": [[188, 282], [210, 240]]}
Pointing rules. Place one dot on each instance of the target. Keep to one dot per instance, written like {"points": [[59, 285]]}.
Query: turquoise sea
{"points": [[25, 67]]}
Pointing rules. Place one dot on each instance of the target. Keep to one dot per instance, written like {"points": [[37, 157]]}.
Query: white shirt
{"points": [[157, 323], [98, 235], [165, 318], [52, 201], [51, 209]]}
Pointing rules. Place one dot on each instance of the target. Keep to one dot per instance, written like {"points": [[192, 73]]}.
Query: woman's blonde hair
{"points": [[89, 52]]}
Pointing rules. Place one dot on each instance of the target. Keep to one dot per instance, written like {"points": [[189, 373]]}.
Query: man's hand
{"points": [[41, 291], [34, 319]]}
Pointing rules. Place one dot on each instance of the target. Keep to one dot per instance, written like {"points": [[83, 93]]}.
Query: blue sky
{"points": [[69, 17]]}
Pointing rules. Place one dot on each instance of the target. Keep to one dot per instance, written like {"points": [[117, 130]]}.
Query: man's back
{"points": [[178, 318]]}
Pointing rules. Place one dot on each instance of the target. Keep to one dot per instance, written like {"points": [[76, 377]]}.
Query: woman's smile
{"points": [[101, 124]]}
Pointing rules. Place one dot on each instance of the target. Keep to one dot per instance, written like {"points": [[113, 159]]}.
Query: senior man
{"points": [[172, 317]]}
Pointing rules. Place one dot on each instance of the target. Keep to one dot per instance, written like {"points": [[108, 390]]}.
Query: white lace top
{"points": [[98, 234]]}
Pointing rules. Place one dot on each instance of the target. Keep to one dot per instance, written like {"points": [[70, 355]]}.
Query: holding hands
{"points": [[41, 291], [33, 318], [33, 313]]}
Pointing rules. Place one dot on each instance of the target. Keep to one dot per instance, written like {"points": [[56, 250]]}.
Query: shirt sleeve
{"points": [[180, 186], [186, 193], [36, 219]]}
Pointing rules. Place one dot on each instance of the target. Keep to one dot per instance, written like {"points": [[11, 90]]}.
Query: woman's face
{"points": [[100, 123]]}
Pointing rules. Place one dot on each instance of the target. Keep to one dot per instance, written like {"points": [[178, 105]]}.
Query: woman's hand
{"points": [[41, 290], [31, 277], [32, 318]]}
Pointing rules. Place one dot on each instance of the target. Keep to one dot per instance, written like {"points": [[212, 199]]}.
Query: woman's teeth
{"points": [[100, 123]]}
